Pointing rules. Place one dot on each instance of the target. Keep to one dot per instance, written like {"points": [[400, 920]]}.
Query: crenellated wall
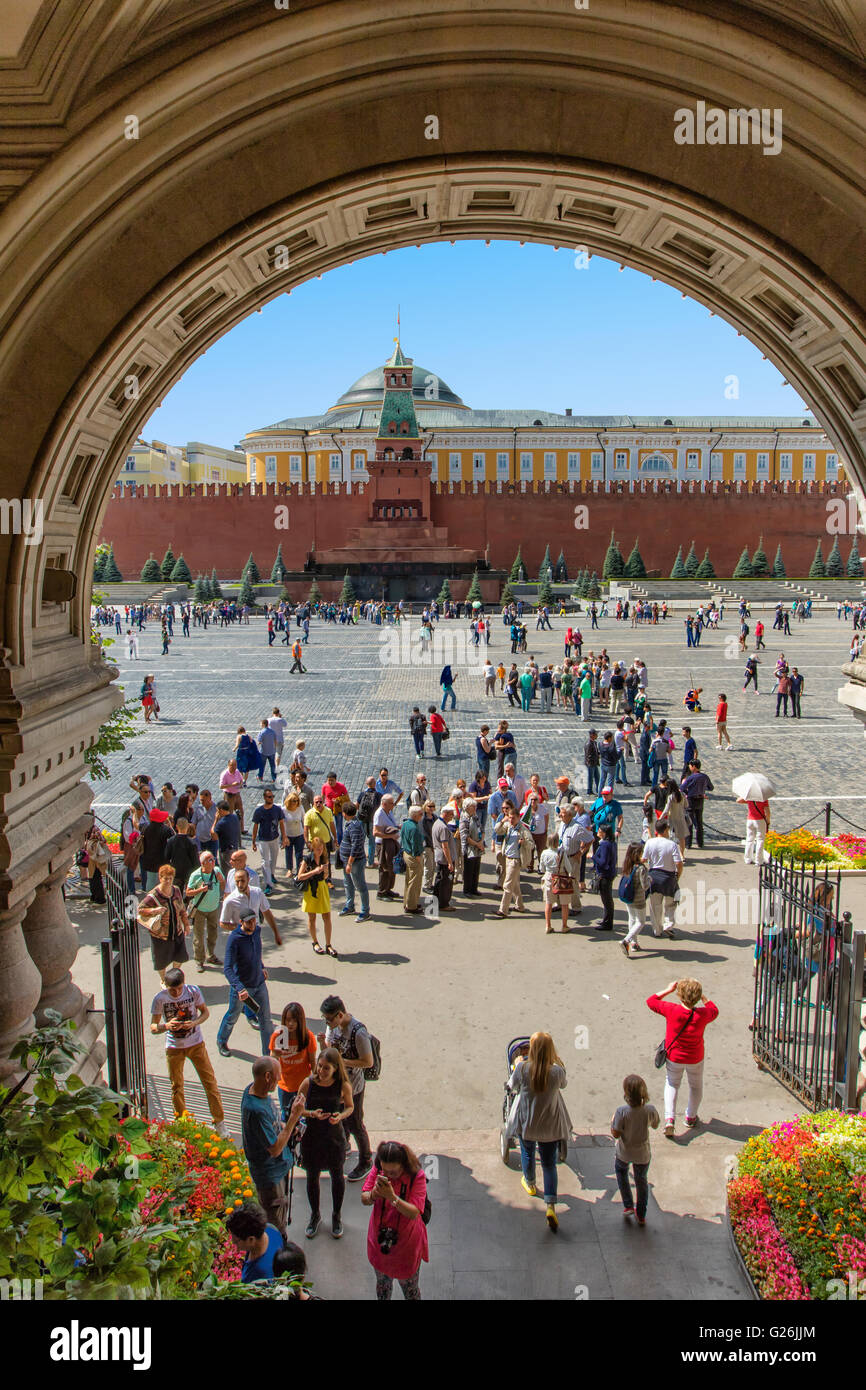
{"points": [[220, 524]]}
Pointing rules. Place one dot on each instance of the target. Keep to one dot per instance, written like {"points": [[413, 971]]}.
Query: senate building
{"points": [[463, 445]]}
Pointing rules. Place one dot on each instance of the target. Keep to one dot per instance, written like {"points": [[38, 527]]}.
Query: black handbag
{"points": [[661, 1051]]}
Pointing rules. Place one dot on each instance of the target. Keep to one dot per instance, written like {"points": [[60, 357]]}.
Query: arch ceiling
{"points": [[124, 259]]}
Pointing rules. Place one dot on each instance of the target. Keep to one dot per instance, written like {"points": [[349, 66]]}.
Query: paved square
{"points": [[445, 997]]}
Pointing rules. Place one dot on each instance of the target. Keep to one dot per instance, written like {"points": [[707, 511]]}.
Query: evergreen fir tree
{"points": [[507, 596], [817, 570], [832, 566], [854, 568], [561, 572], [110, 572], [247, 596], [634, 565], [518, 569], [444, 595], [347, 593], [168, 564], [545, 596], [99, 563], [200, 591], [315, 594], [279, 571], [691, 562], [743, 568], [546, 571], [760, 564], [208, 591], [252, 569], [679, 569], [779, 571], [181, 572], [216, 591], [593, 588], [705, 569], [614, 565], [474, 593], [580, 584], [151, 574]]}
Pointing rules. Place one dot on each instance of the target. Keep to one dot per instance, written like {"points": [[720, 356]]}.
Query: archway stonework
{"points": [[123, 259]]}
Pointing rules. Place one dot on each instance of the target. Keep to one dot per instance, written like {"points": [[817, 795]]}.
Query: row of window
{"points": [[655, 464]]}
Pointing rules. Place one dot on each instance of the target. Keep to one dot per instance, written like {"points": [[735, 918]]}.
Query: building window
{"points": [[454, 467], [358, 462], [597, 464], [130, 464], [656, 463], [478, 466], [433, 460], [550, 466], [763, 464], [808, 465], [717, 465], [832, 466], [311, 468], [295, 464], [620, 461], [502, 467], [270, 468], [172, 465], [574, 465], [739, 464], [693, 459], [336, 465], [215, 476], [525, 467], [785, 465]]}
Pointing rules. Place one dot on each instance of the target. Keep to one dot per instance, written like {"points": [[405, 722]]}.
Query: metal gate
{"points": [[808, 986], [121, 986]]}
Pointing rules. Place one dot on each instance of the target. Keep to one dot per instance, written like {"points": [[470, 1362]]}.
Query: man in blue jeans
{"points": [[353, 847], [243, 966]]}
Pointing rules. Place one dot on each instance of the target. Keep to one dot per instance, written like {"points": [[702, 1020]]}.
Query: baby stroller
{"points": [[517, 1048]]}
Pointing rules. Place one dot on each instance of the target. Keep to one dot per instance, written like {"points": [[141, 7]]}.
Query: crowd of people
{"points": [[188, 853]]}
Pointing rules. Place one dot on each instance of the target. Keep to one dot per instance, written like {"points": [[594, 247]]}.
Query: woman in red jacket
{"points": [[685, 1022]]}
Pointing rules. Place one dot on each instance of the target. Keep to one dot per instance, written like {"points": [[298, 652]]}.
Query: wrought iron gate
{"points": [[808, 986], [121, 984]]}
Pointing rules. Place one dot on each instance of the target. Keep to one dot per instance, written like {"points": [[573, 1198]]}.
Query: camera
{"points": [[386, 1239]]}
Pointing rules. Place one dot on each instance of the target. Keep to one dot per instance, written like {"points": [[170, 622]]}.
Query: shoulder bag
{"points": [[661, 1051], [560, 882]]}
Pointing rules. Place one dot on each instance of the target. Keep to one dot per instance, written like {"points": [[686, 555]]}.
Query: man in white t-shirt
{"points": [[245, 899], [664, 863], [178, 1011], [278, 724]]}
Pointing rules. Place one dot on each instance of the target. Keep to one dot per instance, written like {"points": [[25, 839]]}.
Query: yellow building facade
{"points": [[157, 463], [477, 446]]}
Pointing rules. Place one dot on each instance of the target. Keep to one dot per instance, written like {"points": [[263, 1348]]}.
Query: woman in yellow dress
{"points": [[315, 875]]}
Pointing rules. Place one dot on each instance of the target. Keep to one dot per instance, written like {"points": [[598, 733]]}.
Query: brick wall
{"points": [[220, 525]]}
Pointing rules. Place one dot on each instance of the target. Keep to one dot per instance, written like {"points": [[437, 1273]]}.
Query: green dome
{"points": [[370, 388]]}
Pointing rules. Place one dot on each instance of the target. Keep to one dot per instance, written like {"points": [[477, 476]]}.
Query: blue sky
{"points": [[506, 326]]}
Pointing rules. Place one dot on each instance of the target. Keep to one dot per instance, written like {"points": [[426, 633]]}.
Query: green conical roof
{"points": [[397, 358]]}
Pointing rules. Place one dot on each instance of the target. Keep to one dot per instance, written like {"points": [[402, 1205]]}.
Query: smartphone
{"points": [[250, 1003]]}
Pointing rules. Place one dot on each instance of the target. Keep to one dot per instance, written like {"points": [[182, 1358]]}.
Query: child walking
{"points": [[630, 1128], [636, 906]]}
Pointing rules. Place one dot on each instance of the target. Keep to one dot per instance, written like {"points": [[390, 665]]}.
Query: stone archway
{"points": [[167, 174]]}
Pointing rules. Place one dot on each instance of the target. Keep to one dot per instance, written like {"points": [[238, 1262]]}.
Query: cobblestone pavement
{"points": [[353, 705], [446, 996]]}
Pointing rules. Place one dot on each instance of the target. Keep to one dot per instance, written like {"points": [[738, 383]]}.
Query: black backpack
{"points": [[374, 1071], [366, 806]]}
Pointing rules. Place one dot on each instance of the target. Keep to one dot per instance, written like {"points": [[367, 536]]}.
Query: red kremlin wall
{"points": [[219, 524]]}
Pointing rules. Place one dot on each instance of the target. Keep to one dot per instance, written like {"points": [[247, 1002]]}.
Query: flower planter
{"points": [[741, 1263]]}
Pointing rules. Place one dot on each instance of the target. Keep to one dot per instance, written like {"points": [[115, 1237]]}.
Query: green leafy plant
{"points": [[690, 564], [779, 571], [252, 569], [817, 569], [279, 571], [614, 565], [833, 564], [181, 572], [347, 593], [72, 1185], [112, 737], [474, 593], [743, 568], [759, 562], [634, 565], [679, 569], [168, 564], [151, 573], [705, 568], [444, 595]]}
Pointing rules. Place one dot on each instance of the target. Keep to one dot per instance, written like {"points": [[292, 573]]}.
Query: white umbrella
{"points": [[753, 786], [477, 603]]}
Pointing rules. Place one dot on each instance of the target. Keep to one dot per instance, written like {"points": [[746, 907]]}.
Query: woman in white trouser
{"points": [[636, 909], [757, 825], [685, 1021]]}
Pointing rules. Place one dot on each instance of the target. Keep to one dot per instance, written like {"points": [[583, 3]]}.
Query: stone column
{"points": [[853, 694], [53, 945], [20, 983]]}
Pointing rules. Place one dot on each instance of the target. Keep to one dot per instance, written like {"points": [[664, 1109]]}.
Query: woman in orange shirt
{"points": [[294, 1047]]}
